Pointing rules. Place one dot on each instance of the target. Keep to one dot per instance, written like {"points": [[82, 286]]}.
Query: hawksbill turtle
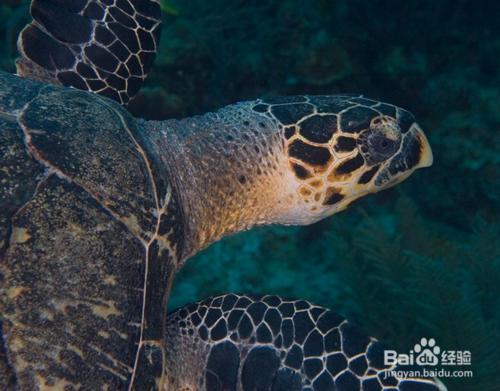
{"points": [[98, 210]]}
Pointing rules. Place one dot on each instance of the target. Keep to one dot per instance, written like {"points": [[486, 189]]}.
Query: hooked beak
{"points": [[426, 157], [415, 153]]}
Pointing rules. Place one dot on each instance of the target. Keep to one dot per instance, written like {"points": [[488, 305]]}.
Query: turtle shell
{"points": [[90, 232]]}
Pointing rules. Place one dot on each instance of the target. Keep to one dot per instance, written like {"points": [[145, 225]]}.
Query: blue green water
{"points": [[418, 260]]}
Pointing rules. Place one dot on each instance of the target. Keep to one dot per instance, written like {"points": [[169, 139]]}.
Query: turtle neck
{"points": [[227, 168]]}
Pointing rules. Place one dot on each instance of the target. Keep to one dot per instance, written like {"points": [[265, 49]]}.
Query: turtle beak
{"points": [[426, 157], [415, 152]]}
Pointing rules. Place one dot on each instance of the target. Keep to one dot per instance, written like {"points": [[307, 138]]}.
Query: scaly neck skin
{"points": [[294, 161], [227, 168]]}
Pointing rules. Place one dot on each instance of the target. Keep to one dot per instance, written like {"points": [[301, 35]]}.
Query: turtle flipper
{"points": [[101, 46], [235, 342]]}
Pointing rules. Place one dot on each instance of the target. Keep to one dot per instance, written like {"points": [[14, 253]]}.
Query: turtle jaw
{"points": [[426, 156], [415, 152]]}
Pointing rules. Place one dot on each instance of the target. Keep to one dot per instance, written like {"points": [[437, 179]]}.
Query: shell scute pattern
{"points": [[104, 242], [62, 130], [19, 177], [291, 343], [62, 213]]}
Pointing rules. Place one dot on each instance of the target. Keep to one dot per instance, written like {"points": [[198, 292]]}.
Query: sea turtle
{"points": [[98, 210]]}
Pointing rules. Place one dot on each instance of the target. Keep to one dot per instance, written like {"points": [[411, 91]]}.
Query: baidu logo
{"points": [[427, 353]]}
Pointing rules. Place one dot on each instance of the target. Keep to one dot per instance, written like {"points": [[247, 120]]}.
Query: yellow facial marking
{"points": [[317, 183], [304, 191]]}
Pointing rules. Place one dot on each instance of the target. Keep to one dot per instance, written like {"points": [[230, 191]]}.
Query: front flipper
{"points": [[107, 47], [236, 342]]}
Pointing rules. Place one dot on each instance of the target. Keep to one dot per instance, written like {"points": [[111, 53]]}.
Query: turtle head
{"points": [[291, 160], [346, 148]]}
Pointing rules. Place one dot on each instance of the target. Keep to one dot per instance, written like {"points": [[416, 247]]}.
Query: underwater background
{"points": [[418, 260]]}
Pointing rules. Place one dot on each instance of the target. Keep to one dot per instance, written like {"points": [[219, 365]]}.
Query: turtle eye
{"points": [[381, 147]]}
